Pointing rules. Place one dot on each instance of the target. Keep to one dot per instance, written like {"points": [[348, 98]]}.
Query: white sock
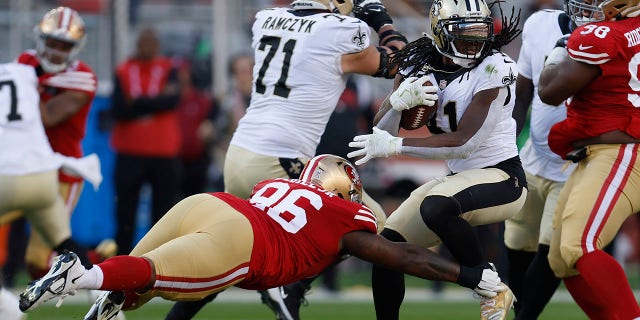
{"points": [[9, 305], [91, 279]]}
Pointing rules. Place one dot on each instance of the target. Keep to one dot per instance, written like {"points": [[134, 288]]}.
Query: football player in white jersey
{"points": [[473, 131], [303, 56], [528, 234], [29, 168]]}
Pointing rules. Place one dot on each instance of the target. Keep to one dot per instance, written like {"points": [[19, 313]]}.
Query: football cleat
{"points": [[58, 282], [497, 308], [107, 306], [285, 301]]}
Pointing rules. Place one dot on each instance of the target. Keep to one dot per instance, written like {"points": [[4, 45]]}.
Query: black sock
{"points": [[540, 284], [80, 251], [183, 310], [387, 285], [519, 262]]}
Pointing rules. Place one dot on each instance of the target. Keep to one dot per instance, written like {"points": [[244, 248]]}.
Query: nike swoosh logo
{"points": [[581, 47], [74, 280]]}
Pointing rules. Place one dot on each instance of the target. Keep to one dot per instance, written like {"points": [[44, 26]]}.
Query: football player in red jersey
{"points": [[602, 134], [288, 230], [67, 88]]}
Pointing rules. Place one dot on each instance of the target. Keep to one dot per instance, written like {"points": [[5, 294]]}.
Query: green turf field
{"points": [[315, 311]]}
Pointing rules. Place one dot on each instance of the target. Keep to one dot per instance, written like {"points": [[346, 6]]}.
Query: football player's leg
{"points": [[521, 235], [403, 225], [198, 224], [128, 180], [539, 283], [600, 200], [474, 197], [243, 169]]}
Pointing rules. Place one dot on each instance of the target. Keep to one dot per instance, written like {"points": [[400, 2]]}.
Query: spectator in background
{"points": [[146, 135], [237, 101], [67, 88], [196, 113]]}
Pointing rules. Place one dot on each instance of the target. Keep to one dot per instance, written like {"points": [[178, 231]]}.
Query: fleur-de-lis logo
{"points": [[510, 79], [359, 39], [295, 168]]}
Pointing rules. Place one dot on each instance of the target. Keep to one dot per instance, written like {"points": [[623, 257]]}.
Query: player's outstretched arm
{"points": [[415, 260]]}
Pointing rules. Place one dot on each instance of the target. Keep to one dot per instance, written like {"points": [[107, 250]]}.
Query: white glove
{"points": [[411, 93], [76, 80], [378, 144], [556, 56], [490, 284]]}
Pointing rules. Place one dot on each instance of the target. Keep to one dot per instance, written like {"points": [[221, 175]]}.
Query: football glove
{"points": [[490, 284], [559, 52], [372, 12], [412, 92], [378, 144]]}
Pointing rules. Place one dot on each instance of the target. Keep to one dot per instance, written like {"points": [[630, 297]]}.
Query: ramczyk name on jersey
{"points": [[288, 24]]}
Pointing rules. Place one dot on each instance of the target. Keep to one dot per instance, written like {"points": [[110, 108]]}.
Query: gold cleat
{"points": [[497, 308]]}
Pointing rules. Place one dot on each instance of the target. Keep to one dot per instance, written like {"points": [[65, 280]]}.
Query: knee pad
{"points": [[392, 235], [436, 210]]}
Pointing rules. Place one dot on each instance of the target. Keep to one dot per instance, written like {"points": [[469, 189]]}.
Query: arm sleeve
{"points": [[592, 47]]}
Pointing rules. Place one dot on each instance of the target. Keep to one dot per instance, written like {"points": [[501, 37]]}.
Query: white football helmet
{"points": [[343, 7], [584, 11], [616, 9], [335, 174], [64, 25], [461, 29]]}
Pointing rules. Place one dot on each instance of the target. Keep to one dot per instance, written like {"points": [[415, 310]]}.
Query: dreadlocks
{"points": [[509, 30], [422, 55]]}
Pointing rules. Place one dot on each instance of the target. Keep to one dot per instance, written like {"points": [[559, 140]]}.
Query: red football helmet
{"points": [[59, 37]]}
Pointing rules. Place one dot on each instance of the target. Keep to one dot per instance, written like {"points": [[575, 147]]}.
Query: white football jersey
{"points": [[24, 144], [455, 92], [539, 36], [297, 79]]}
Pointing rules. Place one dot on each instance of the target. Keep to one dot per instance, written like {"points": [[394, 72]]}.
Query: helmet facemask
{"points": [[583, 12], [334, 174], [462, 30], [59, 38]]}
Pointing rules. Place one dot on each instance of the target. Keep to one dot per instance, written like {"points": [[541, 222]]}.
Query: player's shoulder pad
{"points": [[594, 43], [540, 18], [499, 65]]}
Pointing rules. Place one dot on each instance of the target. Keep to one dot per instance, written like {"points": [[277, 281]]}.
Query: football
{"points": [[418, 116]]}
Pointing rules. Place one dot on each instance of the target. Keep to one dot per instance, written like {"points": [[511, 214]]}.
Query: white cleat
{"points": [[58, 282], [107, 307]]}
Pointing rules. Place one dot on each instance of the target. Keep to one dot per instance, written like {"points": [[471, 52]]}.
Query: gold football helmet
{"points": [[334, 174], [59, 37], [620, 8], [461, 29], [584, 11], [343, 7]]}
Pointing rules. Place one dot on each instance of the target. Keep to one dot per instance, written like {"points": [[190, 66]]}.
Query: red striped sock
{"points": [[608, 285], [125, 273]]}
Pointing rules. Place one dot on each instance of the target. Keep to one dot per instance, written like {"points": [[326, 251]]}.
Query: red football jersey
{"points": [[297, 229], [66, 137], [612, 100]]}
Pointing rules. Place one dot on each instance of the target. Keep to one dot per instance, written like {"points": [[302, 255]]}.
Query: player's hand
{"points": [[378, 144], [559, 52], [562, 42], [490, 284], [373, 12], [413, 92]]}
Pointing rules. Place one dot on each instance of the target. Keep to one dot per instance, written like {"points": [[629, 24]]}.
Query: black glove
{"points": [[372, 12], [562, 42]]}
